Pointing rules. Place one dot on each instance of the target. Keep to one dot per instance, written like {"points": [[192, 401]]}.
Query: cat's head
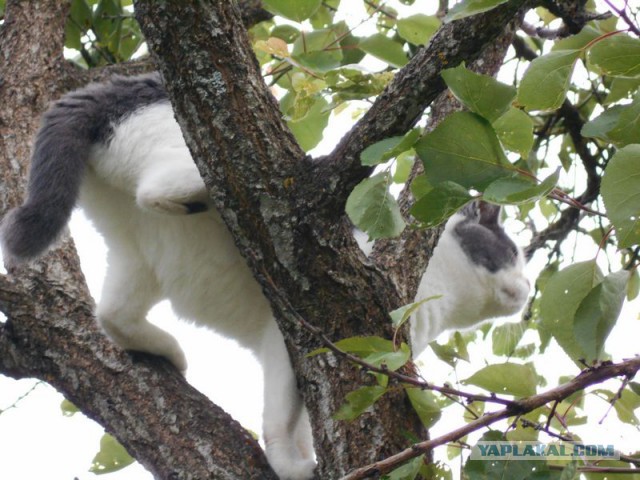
{"points": [[492, 252]]}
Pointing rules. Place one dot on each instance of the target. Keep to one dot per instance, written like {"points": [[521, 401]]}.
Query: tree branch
{"points": [[412, 90], [573, 14], [586, 378]]}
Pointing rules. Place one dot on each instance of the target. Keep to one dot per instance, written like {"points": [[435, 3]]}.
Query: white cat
{"points": [[117, 147]]}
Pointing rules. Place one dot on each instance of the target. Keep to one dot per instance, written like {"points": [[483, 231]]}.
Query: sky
{"points": [[38, 441]]}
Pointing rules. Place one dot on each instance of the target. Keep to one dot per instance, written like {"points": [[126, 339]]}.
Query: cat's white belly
{"points": [[211, 286], [192, 258]]}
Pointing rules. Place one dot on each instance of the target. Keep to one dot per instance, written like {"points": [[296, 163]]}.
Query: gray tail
{"points": [[57, 166]]}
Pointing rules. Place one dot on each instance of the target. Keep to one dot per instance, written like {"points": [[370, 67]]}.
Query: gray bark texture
{"points": [[284, 209]]}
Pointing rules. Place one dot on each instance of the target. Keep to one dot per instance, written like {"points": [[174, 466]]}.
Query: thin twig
{"points": [[622, 13]]}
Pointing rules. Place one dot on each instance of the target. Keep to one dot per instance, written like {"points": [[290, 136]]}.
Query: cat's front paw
{"points": [[287, 461], [294, 470]]}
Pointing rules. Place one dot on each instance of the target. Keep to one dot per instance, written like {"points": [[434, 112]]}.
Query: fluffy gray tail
{"points": [[60, 152]]}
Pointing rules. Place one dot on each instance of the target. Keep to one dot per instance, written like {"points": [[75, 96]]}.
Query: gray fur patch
{"points": [[483, 239], [68, 130]]}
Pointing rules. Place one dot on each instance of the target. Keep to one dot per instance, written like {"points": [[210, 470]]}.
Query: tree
{"points": [[319, 286]]}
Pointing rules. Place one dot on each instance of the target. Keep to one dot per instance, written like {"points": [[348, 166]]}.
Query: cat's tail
{"points": [[57, 166]]}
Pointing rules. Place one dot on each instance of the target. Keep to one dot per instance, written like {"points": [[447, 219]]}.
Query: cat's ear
{"points": [[489, 213], [470, 210]]}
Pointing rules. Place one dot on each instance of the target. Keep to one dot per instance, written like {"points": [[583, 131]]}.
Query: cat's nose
{"points": [[517, 291]]}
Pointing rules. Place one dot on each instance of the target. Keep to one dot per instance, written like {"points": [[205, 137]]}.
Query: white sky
{"points": [[37, 441]]}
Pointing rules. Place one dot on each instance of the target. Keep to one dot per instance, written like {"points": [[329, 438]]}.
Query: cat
{"points": [[116, 149]]}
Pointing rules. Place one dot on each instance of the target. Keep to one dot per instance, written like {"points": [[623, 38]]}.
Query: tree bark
{"points": [[283, 208]]}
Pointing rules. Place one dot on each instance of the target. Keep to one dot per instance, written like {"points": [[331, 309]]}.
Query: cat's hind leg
{"points": [[172, 185], [286, 429], [130, 290]]}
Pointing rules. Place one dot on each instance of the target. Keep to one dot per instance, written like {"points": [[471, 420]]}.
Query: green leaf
{"points": [[308, 129], [561, 299], [621, 88], [598, 312], [373, 209], [515, 131], [374, 350], [406, 471], [460, 341], [505, 338], [418, 29], [420, 186], [545, 84], [627, 130], [383, 150], [633, 287], [624, 403], [447, 353], [111, 457], [506, 379], [400, 315], [80, 20], [358, 401], [130, 40], [570, 472], [287, 33], [620, 187], [600, 126], [391, 360], [349, 44], [425, 405], [467, 8], [617, 55], [517, 190], [360, 346], [464, 149], [68, 408], [297, 10], [106, 20], [439, 203], [626, 406], [404, 164], [579, 41], [482, 94], [385, 49], [317, 50]]}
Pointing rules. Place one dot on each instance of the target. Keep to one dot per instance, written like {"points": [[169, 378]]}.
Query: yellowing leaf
{"points": [[273, 46]]}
